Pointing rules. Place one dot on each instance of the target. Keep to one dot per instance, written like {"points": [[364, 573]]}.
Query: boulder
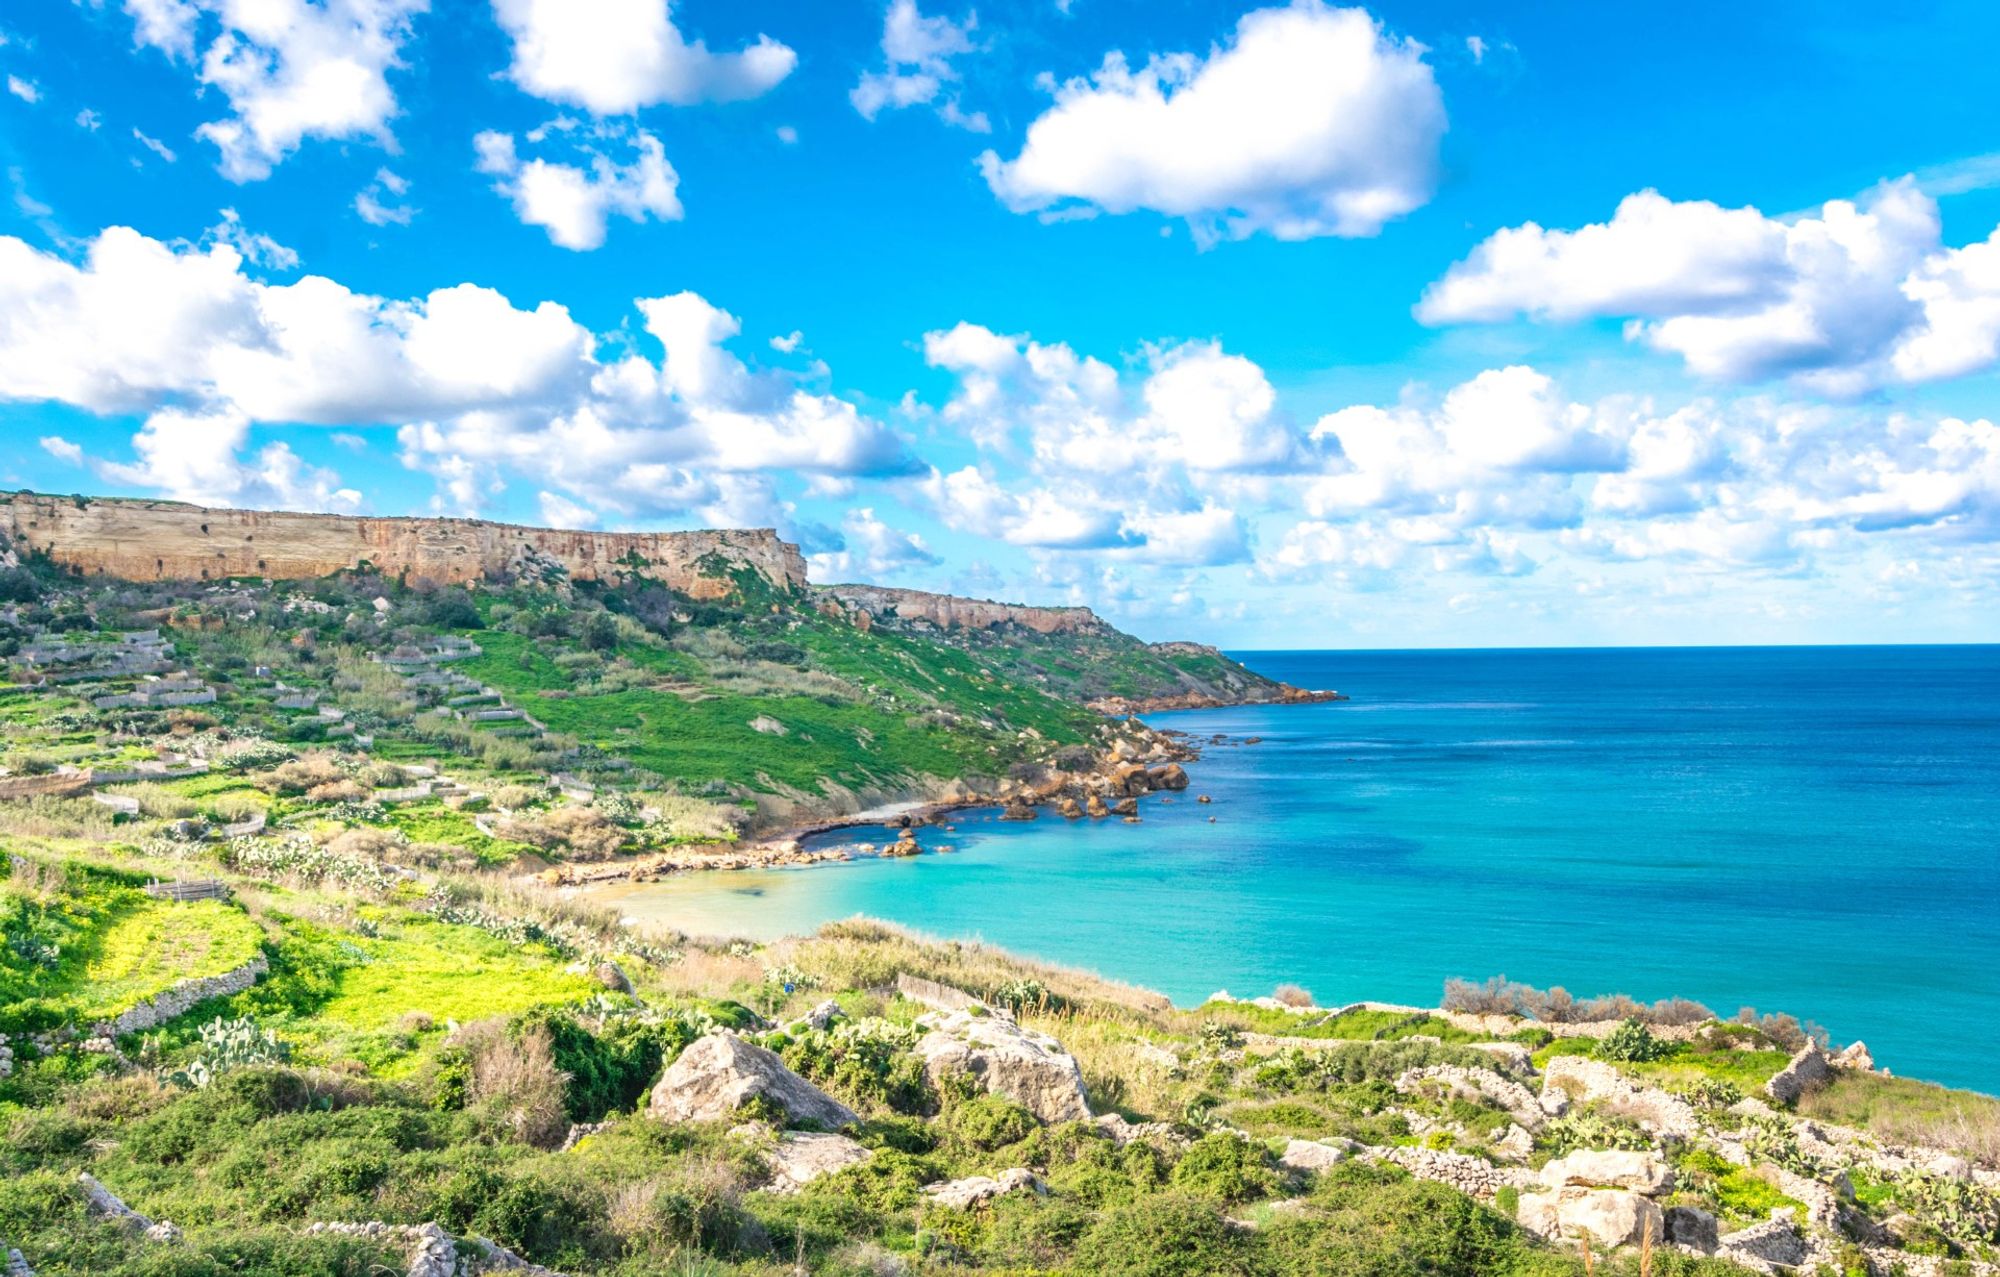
{"points": [[1172, 776], [721, 1072], [964, 1194], [1610, 1217], [1808, 1069], [1131, 779], [1312, 1155], [1610, 1168], [1018, 811], [1854, 1056], [801, 1157], [1093, 806], [17, 1264], [1125, 807], [1069, 810], [1005, 1059], [1693, 1227]]}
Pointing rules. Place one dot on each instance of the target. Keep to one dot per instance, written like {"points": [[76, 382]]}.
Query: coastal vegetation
{"points": [[290, 982]]}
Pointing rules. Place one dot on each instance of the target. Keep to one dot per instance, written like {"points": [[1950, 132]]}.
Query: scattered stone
{"points": [[820, 1017], [1093, 806], [769, 726], [1125, 807], [964, 1194], [1018, 811], [1583, 1080], [1611, 1217], [1473, 1176], [1477, 1084], [1005, 1059], [1775, 1241], [1517, 1143], [1808, 1069], [100, 1200], [1172, 776], [1854, 1056], [801, 1157], [1123, 1132], [1610, 1168], [721, 1072]]}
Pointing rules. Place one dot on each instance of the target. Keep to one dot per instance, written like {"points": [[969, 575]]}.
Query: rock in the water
{"points": [[1808, 1069], [1093, 805], [1069, 810], [964, 1194], [1005, 1059], [1172, 776], [721, 1073], [1693, 1227], [1610, 1217], [803, 1156], [1018, 811], [1610, 1168], [1125, 807]]}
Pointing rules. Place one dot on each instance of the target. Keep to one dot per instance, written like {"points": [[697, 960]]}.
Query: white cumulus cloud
{"points": [[918, 53], [1312, 121], [612, 57], [1853, 295], [573, 202], [289, 69]]}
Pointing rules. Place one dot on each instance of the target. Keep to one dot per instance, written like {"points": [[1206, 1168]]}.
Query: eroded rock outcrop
{"points": [[167, 540], [977, 1190], [800, 1157], [721, 1073], [1610, 1217]]}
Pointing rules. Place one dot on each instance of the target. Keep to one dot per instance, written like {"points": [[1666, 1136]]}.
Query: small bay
{"points": [[1813, 830]]}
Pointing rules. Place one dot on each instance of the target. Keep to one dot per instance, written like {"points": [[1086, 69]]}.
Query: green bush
{"points": [[988, 1122], [1224, 1167], [1170, 1235]]}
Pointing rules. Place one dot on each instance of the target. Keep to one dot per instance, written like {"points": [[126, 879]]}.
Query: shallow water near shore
{"points": [[1814, 830]]}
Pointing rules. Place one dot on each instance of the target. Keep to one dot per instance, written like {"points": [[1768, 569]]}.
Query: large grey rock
{"points": [[801, 1157], [101, 1201], [1808, 1069], [1610, 1217], [964, 1194], [1027, 1067], [1610, 1168], [1693, 1227], [721, 1073]]}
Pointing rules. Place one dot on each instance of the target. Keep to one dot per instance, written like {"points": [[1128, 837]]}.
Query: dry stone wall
{"points": [[165, 540]]}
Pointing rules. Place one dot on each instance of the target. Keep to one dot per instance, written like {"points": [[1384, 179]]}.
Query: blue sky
{"points": [[1292, 325]]}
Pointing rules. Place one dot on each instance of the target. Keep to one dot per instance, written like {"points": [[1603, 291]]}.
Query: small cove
{"points": [[1815, 830]]}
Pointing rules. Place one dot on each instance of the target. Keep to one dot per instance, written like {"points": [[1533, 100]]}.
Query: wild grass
{"points": [[1905, 1111]]}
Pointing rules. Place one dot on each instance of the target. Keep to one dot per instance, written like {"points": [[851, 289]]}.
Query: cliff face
{"points": [[949, 612], [164, 540]]}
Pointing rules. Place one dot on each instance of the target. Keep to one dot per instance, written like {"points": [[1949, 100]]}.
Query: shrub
{"points": [[1293, 995], [1169, 1236], [512, 1075], [988, 1122], [1633, 1043], [1225, 1167], [227, 1045]]}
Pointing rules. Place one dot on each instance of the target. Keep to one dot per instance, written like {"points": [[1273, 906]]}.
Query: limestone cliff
{"points": [[164, 540], [949, 612]]}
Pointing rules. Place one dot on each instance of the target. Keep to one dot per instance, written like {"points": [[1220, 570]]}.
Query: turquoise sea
{"points": [[1813, 830]]}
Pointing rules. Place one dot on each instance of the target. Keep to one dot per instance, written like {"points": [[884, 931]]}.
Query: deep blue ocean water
{"points": [[1813, 830]]}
